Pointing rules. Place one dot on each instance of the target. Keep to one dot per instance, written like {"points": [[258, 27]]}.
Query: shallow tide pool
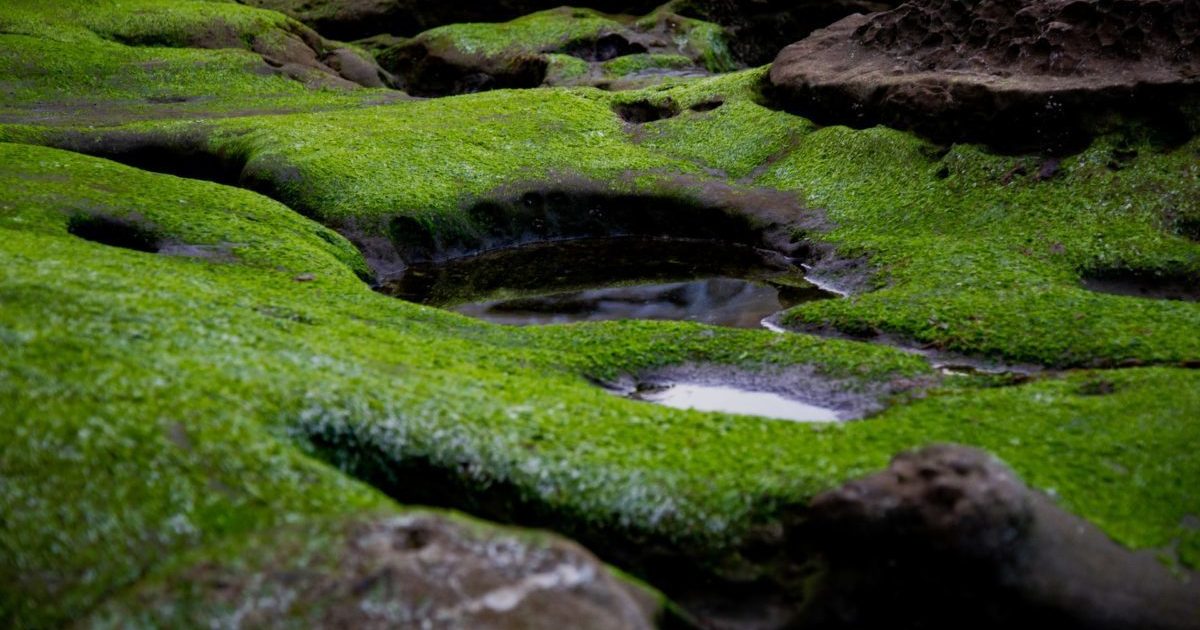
{"points": [[613, 278], [725, 399]]}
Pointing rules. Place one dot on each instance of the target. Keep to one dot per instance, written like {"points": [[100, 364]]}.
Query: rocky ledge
{"points": [[1016, 74]]}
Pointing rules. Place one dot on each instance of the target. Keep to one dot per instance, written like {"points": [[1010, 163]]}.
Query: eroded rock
{"points": [[415, 571], [356, 19], [1018, 74], [759, 29], [948, 536], [558, 47]]}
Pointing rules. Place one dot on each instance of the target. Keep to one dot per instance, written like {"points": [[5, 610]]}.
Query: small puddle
{"points": [[613, 278], [725, 399]]}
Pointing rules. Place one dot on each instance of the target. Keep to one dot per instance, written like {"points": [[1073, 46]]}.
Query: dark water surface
{"points": [[615, 278]]}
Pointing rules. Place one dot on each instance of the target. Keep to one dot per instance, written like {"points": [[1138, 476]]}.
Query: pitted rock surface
{"points": [[412, 571], [948, 536], [1015, 73]]}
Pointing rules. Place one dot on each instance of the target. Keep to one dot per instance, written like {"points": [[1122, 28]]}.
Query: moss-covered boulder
{"points": [[413, 570], [190, 370], [357, 19], [562, 46], [105, 62]]}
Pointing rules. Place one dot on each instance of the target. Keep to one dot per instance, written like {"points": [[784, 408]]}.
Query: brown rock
{"points": [[1018, 74], [412, 571], [948, 536]]}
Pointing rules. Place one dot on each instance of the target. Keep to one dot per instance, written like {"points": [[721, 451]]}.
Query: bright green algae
{"points": [[557, 30], [96, 63], [152, 399], [108, 352], [963, 260]]}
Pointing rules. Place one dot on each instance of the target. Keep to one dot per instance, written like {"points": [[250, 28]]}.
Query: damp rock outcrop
{"points": [[413, 570], [949, 536], [1017, 74]]}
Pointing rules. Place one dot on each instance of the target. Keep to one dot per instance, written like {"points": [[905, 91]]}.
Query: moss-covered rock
{"points": [[201, 374], [178, 357], [382, 571], [356, 19], [527, 52], [105, 62]]}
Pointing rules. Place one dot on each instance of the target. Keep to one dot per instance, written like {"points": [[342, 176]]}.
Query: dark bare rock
{"points": [[1017, 74], [421, 570], [529, 52], [759, 29], [948, 536], [430, 70]]}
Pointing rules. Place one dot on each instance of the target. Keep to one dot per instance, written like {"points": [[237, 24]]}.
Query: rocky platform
{"points": [[1016, 74]]}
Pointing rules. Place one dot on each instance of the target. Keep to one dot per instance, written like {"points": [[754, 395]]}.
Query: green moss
{"points": [[969, 259], [565, 69], [544, 31], [630, 64], [86, 63], [109, 356], [499, 138], [674, 43], [145, 397], [978, 261]]}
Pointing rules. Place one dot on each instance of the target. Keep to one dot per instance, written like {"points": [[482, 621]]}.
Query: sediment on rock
{"points": [[1015, 74], [410, 570], [759, 29], [558, 47]]}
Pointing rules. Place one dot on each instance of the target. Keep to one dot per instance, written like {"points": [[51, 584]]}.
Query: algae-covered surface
{"points": [[188, 365]]}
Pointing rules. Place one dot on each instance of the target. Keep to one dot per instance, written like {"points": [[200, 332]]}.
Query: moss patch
{"points": [[162, 400], [168, 393], [100, 63], [530, 50]]}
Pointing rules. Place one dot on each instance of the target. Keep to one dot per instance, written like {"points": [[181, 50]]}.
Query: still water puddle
{"points": [[725, 399], [614, 278]]}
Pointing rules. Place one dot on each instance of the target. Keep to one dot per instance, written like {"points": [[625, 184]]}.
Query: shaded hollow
{"points": [[581, 209], [1145, 284], [429, 73], [186, 155], [641, 112], [126, 233], [604, 48]]}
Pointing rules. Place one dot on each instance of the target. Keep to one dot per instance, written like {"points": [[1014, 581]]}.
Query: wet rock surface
{"points": [[949, 536], [1014, 73], [758, 28], [356, 19], [612, 278], [416, 570], [557, 47]]}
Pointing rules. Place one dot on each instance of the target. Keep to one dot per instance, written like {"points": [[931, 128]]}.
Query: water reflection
{"points": [[726, 399], [717, 301], [618, 278]]}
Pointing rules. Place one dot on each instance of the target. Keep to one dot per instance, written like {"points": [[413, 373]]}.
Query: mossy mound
{"points": [[180, 356], [972, 252], [537, 49], [133, 361], [106, 62], [357, 19]]}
